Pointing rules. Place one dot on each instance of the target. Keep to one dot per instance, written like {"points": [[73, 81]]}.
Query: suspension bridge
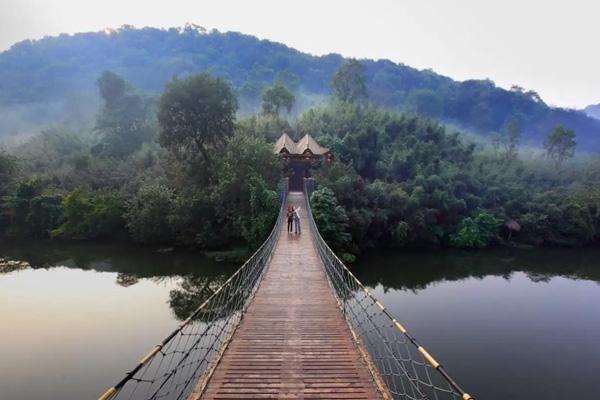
{"points": [[292, 322]]}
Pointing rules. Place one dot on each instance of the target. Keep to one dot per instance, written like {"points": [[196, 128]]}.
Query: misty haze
{"points": [[289, 200]]}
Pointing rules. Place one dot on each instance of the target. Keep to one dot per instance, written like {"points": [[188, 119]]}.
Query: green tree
{"points": [[477, 232], [112, 87], [33, 210], [45, 213], [258, 222], [510, 137], [349, 82], [244, 195], [331, 219], [90, 216], [277, 98], [147, 215], [560, 145], [124, 121], [8, 173], [196, 114]]}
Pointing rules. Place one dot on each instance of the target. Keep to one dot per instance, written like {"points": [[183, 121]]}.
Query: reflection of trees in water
{"points": [[143, 262], [132, 263], [7, 265], [126, 280], [193, 291], [415, 271], [201, 276]]}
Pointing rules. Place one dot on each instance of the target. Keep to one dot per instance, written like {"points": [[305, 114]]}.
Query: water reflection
{"points": [[417, 270], [193, 291], [507, 324], [198, 277], [76, 316]]}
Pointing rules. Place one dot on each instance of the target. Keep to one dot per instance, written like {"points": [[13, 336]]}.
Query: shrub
{"points": [[477, 232]]}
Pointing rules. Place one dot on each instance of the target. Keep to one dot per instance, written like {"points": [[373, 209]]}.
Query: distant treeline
{"points": [[184, 170], [63, 69]]}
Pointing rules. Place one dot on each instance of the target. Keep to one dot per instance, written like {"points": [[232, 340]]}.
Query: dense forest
{"points": [[52, 80], [184, 168]]}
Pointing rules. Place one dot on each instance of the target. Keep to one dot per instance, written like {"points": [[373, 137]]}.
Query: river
{"points": [[76, 317], [506, 324]]}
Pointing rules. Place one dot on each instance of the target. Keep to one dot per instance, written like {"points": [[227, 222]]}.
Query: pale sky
{"points": [[549, 46]]}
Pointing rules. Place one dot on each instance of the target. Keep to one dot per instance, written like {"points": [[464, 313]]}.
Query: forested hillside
{"points": [[53, 79], [185, 169], [593, 111]]}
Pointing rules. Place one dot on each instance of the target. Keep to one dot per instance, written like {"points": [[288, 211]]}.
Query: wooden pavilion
{"points": [[300, 156]]}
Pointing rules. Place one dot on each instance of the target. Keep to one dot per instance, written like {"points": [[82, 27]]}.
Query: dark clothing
{"points": [[290, 221]]}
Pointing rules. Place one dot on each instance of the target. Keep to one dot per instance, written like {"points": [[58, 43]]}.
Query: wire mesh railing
{"points": [[407, 370], [183, 362]]}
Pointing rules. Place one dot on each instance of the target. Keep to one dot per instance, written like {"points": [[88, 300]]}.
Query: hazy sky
{"points": [[550, 46]]}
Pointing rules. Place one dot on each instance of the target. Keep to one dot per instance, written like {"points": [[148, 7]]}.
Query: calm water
{"points": [[506, 324], [80, 316]]}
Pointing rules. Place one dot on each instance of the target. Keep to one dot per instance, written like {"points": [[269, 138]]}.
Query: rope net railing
{"points": [[402, 368], [185, 359]]}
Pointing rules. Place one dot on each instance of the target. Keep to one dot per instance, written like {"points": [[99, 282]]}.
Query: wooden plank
{"points": [[293, 341]]}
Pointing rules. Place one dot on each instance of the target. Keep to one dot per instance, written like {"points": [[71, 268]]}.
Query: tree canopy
{"points": [[196, 115], [560, 145], [124, 123], [47, 81], [398, 180], [349, 83], [276, 99]]}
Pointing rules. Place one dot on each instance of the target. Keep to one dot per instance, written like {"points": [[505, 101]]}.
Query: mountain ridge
{"points": [[593, 111], [55, 68]]}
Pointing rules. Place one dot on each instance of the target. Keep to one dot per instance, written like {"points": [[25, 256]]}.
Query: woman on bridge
{"points": [[297, 221]]}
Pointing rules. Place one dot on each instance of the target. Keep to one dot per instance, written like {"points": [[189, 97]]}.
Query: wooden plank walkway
{"points": [[293, 341]]}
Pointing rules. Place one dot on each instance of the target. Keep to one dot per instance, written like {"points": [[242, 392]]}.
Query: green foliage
{"points": [[349, 83], [331, 219], [8, 172], [45, 214], [275, 99], [32, 211], [37, 76], [248, 172], [147, 215], [234, 200], [405, 181], [477, 232], [560, 145], [397, 180], [425, 102], [196, 115], [258, 222], [124, 122], [507, 141], [90, 216]]}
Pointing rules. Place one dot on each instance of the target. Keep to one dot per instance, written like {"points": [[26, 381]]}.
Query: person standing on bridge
{"points": [[297, 229], [290, 218]]}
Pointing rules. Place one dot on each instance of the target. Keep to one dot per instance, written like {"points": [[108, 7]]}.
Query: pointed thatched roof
{"points": [[306, 143], [285, 142]]}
